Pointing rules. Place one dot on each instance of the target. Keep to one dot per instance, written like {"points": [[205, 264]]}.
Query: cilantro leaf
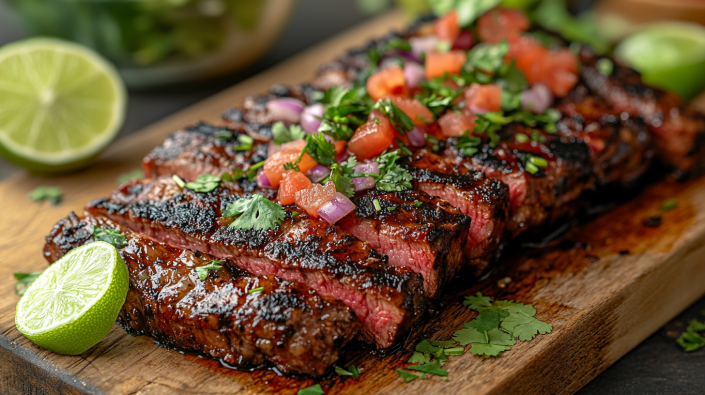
{"points": [[24, 280], [487, 320], [490, 350], [487, 57], [53, 194], [135, 174], [443, 343], [320, 149], [312, 390], [109, 235], [691, 341], [426, 346], [468, 335], [419, 357], [343, 183], [204, 183], [430, 368], [282, 134], [696, 326], [392, 177], [398, 118], [350, 371], [408, 377], [256, 212], [511, 78], [477, 302], [202, 271]]}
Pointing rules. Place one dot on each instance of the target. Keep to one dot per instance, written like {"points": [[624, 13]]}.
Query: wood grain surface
{"points": [[605, 286]]}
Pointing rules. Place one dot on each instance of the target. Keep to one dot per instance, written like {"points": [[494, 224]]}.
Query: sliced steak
{"points": [[678, 130], [483, 199], [426, 239], [386, 299], [284, 322], [202, 149], [415, 230]]}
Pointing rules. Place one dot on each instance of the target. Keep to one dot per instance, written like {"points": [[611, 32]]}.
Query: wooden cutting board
{"points": [[605, 287]]}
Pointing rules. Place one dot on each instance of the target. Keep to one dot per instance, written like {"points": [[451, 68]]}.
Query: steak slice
{"points": [[483, 199], [284, 322], [386, 299], [202, 149], [420, 232], [678, 130], [427, 241]]}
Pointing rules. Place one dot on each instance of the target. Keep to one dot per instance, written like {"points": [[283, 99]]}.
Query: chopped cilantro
{"points": [[291, 166], [350, 371], [255, 212], [391, 176], [669, 204], [254, 290], [468, 10], [398, 118], [252, 171], [204, 183], [342, 181], [53, 194], [312, 390], [511, 78], [110, 236], [320, 149], [433, 367], [282, 134], [245, 141], [417, 203], [408, 377], [346, 110], [135, 174], [24, 280], [691, 340], [202, 271], [487, 57]]}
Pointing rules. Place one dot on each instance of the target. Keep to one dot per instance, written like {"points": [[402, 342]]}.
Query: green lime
{"points": [[75, 302], [60, 104], [669, 55]]}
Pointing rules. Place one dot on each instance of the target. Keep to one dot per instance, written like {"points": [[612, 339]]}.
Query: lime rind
{"points": [[62, 104], [663, 46], [75, 302]]}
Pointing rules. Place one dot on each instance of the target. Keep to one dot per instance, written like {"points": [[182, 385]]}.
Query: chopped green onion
{"points": [[392, 208], [378, 207], [531, 168], [669, 204], [539, 162], [178, 181], [253, 290], [605, 66], [521, 138]]}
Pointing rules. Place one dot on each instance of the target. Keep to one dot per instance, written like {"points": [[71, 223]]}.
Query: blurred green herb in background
{"points": [[140, 32]]}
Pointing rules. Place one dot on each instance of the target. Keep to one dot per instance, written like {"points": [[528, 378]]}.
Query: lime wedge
{"points": [[669, 55], [60, 104], [75, 302]]}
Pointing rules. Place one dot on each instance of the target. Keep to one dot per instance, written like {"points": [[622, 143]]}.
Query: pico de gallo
{"points": [[456, 77]]}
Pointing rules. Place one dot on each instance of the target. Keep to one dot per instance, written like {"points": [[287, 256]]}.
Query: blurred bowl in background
{"points": [[161, 42]]}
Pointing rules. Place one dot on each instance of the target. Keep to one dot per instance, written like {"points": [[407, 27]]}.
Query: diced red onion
{"points": [[337, 208], [367, 167], [537, 99], [343, 156], [413, 74], [286, 109], [310, 121], [329, 138], [362, 183], [423, 44], [317, 173], [464, 40], [417, 136], [263, 181]]}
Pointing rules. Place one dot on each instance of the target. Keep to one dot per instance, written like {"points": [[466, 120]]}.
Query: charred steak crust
{"points": [[286, 323], [417, 231], [386, 299], [483, 199], [407, 235]]}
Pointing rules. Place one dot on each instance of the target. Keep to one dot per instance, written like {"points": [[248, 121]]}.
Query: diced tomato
{"points": [[292, 182], [439, 63], [315, 196], [274, 165], [296, 144], [464, 40], [483, 98], [454, 124], [558, 70], [446, 27], [501, 23], [372, 138], [387, 82], [418, 113], [339, 146]]}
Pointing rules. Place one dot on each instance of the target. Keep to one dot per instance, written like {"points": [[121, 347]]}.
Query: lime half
{"points": [[669, 55], [75, 302], [60, 104]]}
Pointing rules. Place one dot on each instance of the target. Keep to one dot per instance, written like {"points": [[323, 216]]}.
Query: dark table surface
{"points": [[656, 366]]}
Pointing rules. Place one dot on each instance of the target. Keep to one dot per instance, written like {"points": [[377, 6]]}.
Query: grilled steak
{"points": [[284, 322], [426, 239], [386, 299], [678, 130]]}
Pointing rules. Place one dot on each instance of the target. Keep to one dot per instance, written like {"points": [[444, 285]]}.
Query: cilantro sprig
{"points": [[345, 111], [203, 271], [255, 212], [691, 340], [392, 177], [282, 134], [109, 235], [320, 149], [53, 194], [24, 280]]}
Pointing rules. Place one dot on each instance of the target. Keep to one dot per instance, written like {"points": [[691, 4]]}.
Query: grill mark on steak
{"points": [[407, 235], [386, 299], [484, 200], [286, 323], [678, 130]]}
